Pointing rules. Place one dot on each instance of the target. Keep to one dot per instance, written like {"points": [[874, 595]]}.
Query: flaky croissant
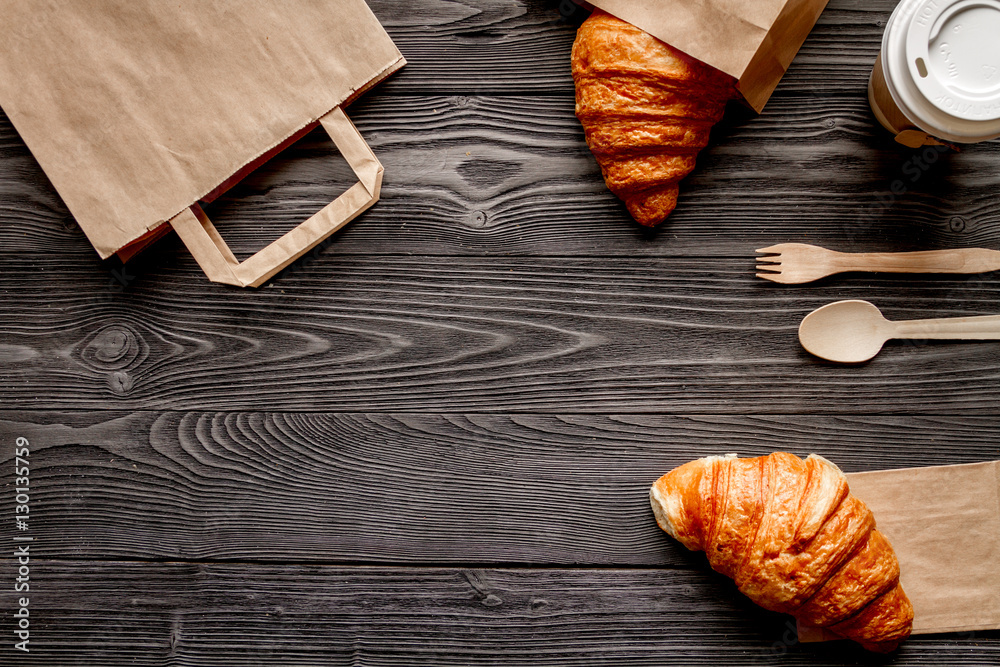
{"points": [[647, 110], [794, 540]]}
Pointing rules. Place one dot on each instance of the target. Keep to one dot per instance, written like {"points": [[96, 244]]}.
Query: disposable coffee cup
{"points": [[937, 77]]}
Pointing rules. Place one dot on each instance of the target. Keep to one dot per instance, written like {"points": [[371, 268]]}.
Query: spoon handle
{"points": [[981, 327]]}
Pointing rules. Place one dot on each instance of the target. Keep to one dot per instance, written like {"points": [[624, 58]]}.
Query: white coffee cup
{"points": [[937, 78]]}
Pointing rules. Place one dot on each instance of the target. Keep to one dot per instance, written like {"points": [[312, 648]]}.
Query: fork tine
{"points": [[772, 249], [770, 268]]}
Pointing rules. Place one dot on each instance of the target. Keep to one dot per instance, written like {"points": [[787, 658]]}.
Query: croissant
{"points": [[794, 540], [647, 109]]}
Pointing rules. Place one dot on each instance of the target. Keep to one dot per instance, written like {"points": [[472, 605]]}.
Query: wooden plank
{"points": [[513, 176], [127, 613], [411, 488], [674, 335]]}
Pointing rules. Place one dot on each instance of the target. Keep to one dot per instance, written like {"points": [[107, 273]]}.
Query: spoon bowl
{"points": [[848, 332], [851, 332]]}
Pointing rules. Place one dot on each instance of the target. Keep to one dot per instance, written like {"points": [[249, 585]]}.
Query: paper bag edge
{"points": [[758, 95]]}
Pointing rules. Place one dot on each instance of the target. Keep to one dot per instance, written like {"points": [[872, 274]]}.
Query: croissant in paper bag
{"points": [[647, 109], [793, 538]]}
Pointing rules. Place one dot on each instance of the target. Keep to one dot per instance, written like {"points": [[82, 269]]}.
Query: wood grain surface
{"points": [[503, 176], [682, 335], [389, 488], [430, 441], [236, 614], [516, 46]]}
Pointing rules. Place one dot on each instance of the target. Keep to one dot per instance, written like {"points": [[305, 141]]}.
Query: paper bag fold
{"points": [[944, 524]]}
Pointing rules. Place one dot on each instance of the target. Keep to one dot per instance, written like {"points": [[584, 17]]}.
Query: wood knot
{"points": [[477, 219], [482, 589], [115, 347], [121, 383]]}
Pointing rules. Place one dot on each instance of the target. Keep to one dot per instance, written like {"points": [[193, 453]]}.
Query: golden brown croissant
{"points": [[793, 538], [647, 110]]}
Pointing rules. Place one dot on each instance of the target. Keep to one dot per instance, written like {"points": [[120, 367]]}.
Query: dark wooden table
{"points": [[431, 442]]}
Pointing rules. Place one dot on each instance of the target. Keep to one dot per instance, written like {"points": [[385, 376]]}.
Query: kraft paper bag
{"points": [[751, 40], [137, 110], [944, 524]]}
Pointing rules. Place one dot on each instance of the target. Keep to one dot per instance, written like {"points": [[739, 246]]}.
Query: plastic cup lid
{"points": [[953, 54]]}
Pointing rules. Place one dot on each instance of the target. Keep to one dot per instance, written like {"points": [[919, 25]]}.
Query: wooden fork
{"points": [[792, 263]]}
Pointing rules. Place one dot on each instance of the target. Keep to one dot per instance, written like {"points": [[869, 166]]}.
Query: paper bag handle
{"points": [[217, 260]]}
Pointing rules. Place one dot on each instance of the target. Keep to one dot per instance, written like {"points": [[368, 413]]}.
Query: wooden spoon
{"points": [[853, 331]]}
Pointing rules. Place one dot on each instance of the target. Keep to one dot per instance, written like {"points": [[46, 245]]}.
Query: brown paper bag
{"points": [[944, 524], [752, 40], [139, 109]]}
